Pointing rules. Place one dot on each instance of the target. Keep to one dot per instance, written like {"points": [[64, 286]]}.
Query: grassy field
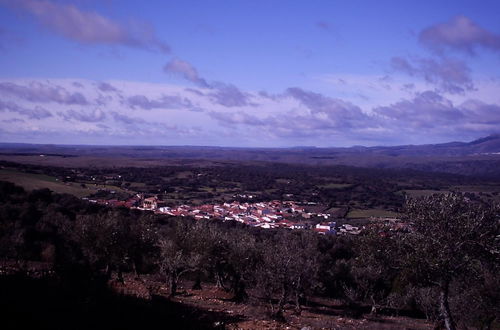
{"points": [[31, 181], [100, 161], [137, 185], [423, 193], [482, 188], [335, 185], [184, 174], [372, 213]]}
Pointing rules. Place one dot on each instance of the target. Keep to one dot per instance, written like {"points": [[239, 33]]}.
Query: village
{"points": [[266, 215]]}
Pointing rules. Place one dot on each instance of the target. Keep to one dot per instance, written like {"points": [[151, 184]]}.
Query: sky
{"points": [[249, 73]]}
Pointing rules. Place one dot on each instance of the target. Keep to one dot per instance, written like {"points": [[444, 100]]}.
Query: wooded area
{"points": [[447, 263]]}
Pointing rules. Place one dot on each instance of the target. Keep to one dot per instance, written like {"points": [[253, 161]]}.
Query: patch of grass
{"points": [[184, 174], [424, 192], [31, 181], [110, 187], [483, 188], [137, 185], [335, 185], [372, 213]]}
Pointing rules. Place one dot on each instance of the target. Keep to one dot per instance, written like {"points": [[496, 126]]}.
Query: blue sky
{"points": [[248, 73]]}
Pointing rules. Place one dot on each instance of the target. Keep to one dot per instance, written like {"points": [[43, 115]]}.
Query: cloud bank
{"points": [[143, 113]]}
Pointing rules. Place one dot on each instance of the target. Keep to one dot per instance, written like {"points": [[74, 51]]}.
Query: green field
{"points": [[424, 193], [138, 185], [372, 213], [184, 174], [335, 185], [31, 181], [482, 188]]}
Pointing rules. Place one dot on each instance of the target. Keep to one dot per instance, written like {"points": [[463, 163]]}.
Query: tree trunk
{"points": [[173, 285], [279, 312], [271, 305], [281, 306], [487, 324], [120, 275], [134, 269], [374, 310], [197, 283], [240, 293], [444, 308], [298, 309], [108, 272], [219, 282]]}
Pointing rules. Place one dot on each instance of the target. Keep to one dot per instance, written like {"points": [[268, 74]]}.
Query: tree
{"points": [[241, 262], [144, 240], [336, 251], [375, 268], [106, 241], [179, 252], [288, 269], [217, 248], [450, 237]]}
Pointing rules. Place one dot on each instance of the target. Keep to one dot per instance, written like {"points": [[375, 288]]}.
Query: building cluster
{"points": [[272, 214], [131, 202]]}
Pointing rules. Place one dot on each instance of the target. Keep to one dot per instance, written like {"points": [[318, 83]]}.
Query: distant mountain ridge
{"points": [[480, 157], [489, 144], [492, 137]]}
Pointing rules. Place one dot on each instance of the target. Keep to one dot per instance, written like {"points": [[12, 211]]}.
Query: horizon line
{"points": [[229, 147]]}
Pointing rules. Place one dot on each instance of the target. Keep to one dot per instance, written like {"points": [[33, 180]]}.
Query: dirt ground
{"points": [[319, 313]]}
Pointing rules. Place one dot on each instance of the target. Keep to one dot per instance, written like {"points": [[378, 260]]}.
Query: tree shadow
{"points": [[345, 309], [52, 304]]}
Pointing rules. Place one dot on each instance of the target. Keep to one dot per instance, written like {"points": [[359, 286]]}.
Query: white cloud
{"points": [[175, 115]]}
